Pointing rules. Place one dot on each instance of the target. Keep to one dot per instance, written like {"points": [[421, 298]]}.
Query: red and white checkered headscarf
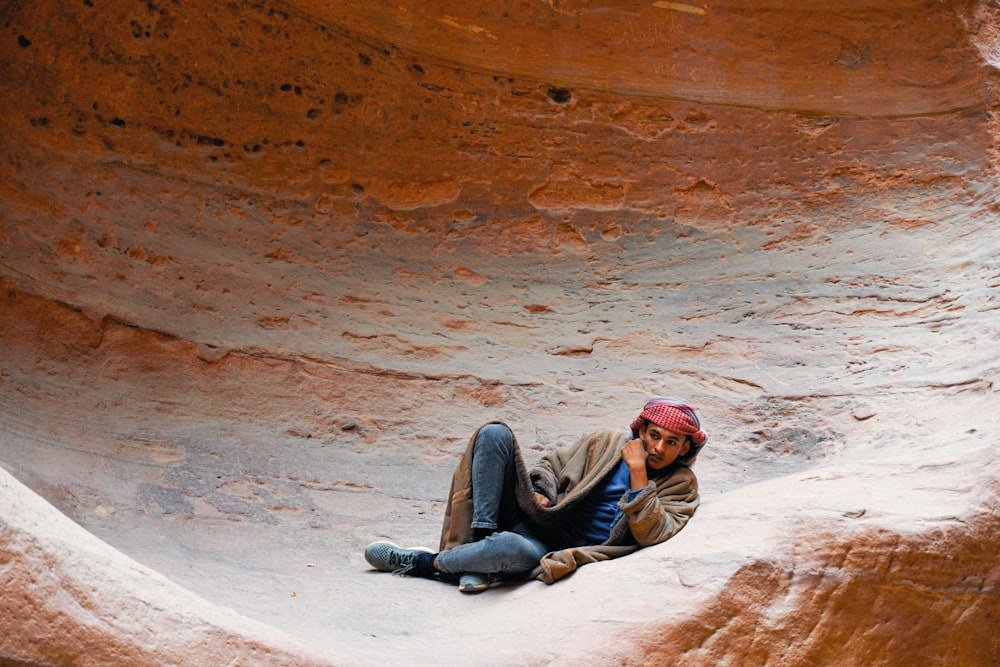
{"points": [[673, 414]]}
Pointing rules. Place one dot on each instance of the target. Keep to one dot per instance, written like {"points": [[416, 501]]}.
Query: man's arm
{"points": [[660, 511]]}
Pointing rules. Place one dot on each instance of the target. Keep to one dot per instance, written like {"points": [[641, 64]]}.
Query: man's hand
{"points": [[634, 455], [542, 500]]}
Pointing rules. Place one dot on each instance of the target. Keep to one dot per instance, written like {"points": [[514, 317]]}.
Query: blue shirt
{"points": [[598, 511]]}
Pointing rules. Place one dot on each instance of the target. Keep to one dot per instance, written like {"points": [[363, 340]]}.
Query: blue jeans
{"points": [[514, 549]]}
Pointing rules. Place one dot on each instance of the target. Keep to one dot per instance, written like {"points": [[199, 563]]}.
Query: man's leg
{"points": [[505, 553], [494, 508], [492, 479]]}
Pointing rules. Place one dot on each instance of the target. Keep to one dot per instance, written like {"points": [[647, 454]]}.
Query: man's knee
{"points": [[496, 436], [519, 554]]}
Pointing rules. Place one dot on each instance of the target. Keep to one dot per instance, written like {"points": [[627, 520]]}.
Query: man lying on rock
{"points": [[605, 496]]}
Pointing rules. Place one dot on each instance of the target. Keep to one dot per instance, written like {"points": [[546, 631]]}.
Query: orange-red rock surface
{"points": [[264, 267]]}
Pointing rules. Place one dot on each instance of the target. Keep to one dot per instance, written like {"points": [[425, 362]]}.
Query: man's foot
{"points": [[388, 557], [474, 582]]}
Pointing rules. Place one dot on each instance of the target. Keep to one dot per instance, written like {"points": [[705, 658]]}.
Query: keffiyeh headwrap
{"points": [[673, 414]]}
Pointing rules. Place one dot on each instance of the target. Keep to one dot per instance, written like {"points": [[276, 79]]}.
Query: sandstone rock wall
{"points": [[265, 265]]}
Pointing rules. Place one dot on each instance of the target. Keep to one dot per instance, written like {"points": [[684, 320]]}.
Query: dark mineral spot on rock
{"points": [[560, 95], [23, 41], [203, 140]]}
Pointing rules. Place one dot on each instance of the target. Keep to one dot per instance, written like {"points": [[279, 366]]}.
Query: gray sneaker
{"points": [[474, 582], [388, 557]]}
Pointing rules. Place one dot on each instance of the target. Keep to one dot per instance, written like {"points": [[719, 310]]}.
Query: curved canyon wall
{"points": [[266, 265]]}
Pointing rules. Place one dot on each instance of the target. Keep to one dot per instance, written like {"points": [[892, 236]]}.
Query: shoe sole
{"points": [[478, 585], [393, 544]]}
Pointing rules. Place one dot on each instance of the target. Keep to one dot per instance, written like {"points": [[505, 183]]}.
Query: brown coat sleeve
{"points": [[662, 508]]}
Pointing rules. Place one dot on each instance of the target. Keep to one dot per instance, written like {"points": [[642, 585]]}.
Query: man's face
{"points": [[662, 446]]}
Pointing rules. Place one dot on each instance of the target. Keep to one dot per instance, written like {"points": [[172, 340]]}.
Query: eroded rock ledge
{"points": [[264, 266]]}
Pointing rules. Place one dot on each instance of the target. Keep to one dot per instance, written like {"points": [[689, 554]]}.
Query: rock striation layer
{"points": [[265, 266]]}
